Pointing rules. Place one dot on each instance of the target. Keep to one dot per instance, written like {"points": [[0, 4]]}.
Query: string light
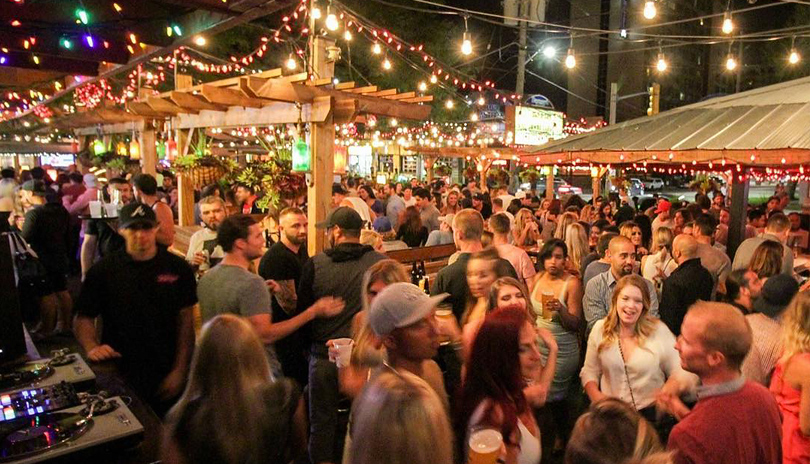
{"points": [[731, 63], [347, 36], [649, 10], [291, 63], [66, 43], [570, 60], [449, 104], [200, 41], [90, 42], [728, 25], [433, 79], [794, 57], [117, 7], [422, 86], [481, 101], [386, 64], [474, 117], [376, 49], [661, 66], [316, 13], [549, 51], [83, 16], [331, 20], [466, 43]]}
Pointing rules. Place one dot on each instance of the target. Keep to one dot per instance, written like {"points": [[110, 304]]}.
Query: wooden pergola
{"points": [[270, 98]]}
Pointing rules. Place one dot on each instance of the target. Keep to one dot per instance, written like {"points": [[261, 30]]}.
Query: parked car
{"points": [[654, 183], [560, 186], [636, 187]]}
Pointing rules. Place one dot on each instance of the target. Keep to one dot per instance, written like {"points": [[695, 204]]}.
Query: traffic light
{"points": [[655, 96]]}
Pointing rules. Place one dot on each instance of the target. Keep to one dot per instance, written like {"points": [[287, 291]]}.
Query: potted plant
{"points": [[201, 166], [442, 170], [498, 177]]}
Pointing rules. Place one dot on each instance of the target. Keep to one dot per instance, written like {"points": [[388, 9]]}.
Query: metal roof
{"points": [[775, 117]]}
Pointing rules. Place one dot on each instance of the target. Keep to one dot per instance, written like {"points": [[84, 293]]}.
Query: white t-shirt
{"points": [[360, 206], [411, 202]]}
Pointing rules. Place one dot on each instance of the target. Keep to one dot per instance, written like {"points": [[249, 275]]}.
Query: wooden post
{"points": [[550, 183], [148, 151], [739, 207], [185, 200], [429, 162], [595, 181], [322, 145]]}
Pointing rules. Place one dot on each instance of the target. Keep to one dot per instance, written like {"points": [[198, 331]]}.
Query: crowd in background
{"points": [[614, 331]]}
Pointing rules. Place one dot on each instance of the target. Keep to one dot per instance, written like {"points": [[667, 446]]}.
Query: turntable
{"points": [[61, 367], [29, 439]]}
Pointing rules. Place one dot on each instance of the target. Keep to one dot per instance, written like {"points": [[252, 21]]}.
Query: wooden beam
{"points": [[228, 97], [273, 113], [300, 77], [142, 109], [163, 105], [381, 93], [283, 91], [319, 82], [192, 103], [344, 85], [366, 89], [119, 128], [148, 152], [231, 81], [185, 200], [346, 111], [401, 96], [422, 99]]}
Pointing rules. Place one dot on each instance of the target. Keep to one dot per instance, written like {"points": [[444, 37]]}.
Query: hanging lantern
{"points": [[301, 159], [121, 149], [171, 149], [99, 148], [135, 150], [340, 160], [161, 150]]}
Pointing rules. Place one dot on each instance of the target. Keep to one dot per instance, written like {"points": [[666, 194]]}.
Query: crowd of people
{"points": [[615, 331]]}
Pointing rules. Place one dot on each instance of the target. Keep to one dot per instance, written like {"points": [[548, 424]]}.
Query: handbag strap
{"points": [[626, 375]]}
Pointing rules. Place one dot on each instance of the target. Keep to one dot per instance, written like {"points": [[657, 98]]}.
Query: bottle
{"points": [[100, 197], [414, 274], [423, 278]]}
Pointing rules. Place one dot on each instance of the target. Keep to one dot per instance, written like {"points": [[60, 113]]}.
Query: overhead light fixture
{"points": [[433, 79], [386, 64], [549, 51], [474, 117], [347, 36], [649, 10], [728, 24], [662, 65], [481, 101], [449, 104], [200, 41], [794, 56], [422, 86], [570, 59], [331, 20], [466, 45], [376, 49], [316, 12], [291, 63], [731, 63]]}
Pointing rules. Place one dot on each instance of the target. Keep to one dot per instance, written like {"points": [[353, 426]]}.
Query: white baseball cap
{"points": [[400, 305]]}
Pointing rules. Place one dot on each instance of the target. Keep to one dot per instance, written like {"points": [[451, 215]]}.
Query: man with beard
{"points": [[596, 302], [337, 272], [394, 205], [229, 287], [283, 263], [203, 250]]}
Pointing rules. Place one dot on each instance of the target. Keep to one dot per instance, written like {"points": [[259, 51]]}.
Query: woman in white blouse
{"points": [[630, 353]]}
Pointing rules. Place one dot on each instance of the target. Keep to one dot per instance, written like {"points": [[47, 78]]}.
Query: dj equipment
{"points": [[12, 337], [62, 367], [31, 439], [35, 401]]}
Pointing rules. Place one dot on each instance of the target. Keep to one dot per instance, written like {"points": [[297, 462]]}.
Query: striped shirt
{"points": [[598, 292], [766, 348]]}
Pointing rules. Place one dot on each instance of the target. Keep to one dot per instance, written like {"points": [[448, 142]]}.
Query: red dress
{"points": [[795, 445]]}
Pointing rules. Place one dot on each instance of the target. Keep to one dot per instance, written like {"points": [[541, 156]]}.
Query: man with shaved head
{"points": [[687, 284], [596, 302], [734, 421]]}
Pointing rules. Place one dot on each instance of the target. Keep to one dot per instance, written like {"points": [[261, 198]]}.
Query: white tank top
{"points": [[530, 450]]}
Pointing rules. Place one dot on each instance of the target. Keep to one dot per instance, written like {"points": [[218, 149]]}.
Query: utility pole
{"points": [[521, 71]]}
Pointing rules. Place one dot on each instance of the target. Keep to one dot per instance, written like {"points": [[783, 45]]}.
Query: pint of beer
{"points": [[484, 446], [545, 299], [444, 317]]}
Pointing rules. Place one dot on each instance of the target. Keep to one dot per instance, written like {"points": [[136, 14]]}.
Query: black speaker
{"points": [[12, 337]]}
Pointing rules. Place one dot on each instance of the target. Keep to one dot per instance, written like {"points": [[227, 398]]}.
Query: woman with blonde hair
{"points": [[399, 419], [630, 354], [229, 383], [612, 432], [586, 215], [576, 239], [659, 264], [791, 381], [526, 231], [632, 230], [565, 220]]}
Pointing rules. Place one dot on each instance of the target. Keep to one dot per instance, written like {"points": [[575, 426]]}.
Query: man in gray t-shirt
{"points": [[229, 287]]}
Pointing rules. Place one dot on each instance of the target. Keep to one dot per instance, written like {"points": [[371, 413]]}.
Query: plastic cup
{"points": [[444, 317], [484, 446], [95, 209], [545, 299], [344, 351], [112, 210]]}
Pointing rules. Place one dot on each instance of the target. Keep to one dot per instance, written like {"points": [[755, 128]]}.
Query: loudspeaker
{"points": [[12, 337]]}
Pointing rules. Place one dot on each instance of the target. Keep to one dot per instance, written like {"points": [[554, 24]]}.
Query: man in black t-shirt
{"points": [[144, 296], [283, 263], [47, 231], [100, 235]]}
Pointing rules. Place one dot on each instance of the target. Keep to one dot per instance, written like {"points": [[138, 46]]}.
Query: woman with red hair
{"points": [[503, 361]]}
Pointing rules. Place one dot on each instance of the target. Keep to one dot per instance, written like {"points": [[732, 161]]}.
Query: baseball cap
{"points": [[136, 213], [90, 180], [382, 224], [37, 187], [478, 196], [400, 305], [337, 188], [448, 219], [343, 217], [663, 205], [520, 194], [776, 295]]}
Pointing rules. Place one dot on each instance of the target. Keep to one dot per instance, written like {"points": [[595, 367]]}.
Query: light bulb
{"points": [[662, 63], [316, 13], [386, 64], [291, 64], [649, 10], [481, 101], [376, 49], [393, 122], [332, 22], [794, 57], [434, 79], [422, 86], [549, 51], [570, 60], [347, 36], [449, 104], [200, 41], [474, 117], [731, 63], [466, 45], [728, 25]]}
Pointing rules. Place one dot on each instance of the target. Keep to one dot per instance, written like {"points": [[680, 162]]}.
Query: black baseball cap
{"points": [[36, 187], [337, 188], [136, 214], [343, 217], [776, 295]]}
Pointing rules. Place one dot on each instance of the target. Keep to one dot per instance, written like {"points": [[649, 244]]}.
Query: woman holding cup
{"points": [[504, 354]]}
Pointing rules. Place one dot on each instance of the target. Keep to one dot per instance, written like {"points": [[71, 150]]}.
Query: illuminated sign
{"points": [[534, 126]]}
